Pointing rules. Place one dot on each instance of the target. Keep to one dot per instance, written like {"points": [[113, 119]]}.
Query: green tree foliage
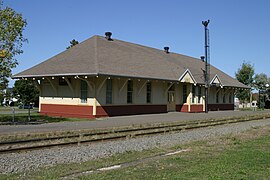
{"points": [[26, 92], [12, 25], [245, 75], [3, 85], [73, 43], [260, 81]]}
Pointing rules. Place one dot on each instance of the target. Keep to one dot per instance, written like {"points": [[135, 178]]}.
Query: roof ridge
{"points": [[96, 55]]}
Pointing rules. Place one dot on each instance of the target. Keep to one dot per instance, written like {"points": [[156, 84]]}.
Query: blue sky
{"points": [[239, 29]]}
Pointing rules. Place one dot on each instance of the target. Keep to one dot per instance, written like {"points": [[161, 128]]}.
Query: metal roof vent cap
{"points": [[202, 58], [108, 36], [166, 49]]}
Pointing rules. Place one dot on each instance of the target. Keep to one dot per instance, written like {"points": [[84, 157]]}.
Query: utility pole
{"points": [[207, 63]]}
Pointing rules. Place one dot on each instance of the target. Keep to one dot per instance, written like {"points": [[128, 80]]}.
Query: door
{"points": [[171, 101]]}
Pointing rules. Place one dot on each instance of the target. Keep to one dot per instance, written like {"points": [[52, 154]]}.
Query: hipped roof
{"points": [[99, 56]]}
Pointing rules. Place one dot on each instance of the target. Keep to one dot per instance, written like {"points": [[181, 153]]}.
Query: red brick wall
{"points": [[219, 107], [129, 110], [182, 108], [87, 111], [196, 108], [67, 110]]}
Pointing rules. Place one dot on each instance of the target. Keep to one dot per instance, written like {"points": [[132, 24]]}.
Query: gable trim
{"points": [[216, 77], [190, 74]]}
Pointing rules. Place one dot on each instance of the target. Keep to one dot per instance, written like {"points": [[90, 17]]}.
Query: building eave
{"points": [[53, 75]]}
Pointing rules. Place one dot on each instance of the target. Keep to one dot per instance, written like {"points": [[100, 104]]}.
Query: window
{"points": [[84, 90], [109, 91], [217, 97], [199, 94], [129, 91], [148, 92], [230, 98], [184, 93], [224, 98], [193, 94]]}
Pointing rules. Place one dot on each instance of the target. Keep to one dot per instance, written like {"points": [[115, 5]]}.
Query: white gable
{"points": [[187, 77], [216, 81]]}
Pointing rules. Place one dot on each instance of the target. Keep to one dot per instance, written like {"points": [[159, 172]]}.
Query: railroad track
{"points": [[114, 134]]}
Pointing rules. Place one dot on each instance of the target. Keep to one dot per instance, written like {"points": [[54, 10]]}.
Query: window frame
{"points": [[148, 92], [230, 98], [199, 90], [109, 91], [193, 100], [224, 98], [130, 89], [217, 97], [83, 97], [184, 93]]}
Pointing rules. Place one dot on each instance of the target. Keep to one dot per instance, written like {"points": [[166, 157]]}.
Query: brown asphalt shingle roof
{"points": [[98, 56]]}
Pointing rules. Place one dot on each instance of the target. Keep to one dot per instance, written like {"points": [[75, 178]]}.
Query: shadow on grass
{"points": [[22, 119]]}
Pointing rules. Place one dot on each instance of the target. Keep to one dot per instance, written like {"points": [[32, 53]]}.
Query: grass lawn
{"points": [[37, 117], [245, 156], [23, 117]]}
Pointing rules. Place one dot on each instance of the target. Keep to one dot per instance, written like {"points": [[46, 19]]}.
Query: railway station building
{"points": [[103, 76]]}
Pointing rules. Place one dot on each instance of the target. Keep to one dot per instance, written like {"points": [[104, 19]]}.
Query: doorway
{"points": [[171, 106]]}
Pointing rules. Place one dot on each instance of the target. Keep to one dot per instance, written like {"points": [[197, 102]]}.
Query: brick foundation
{"points": [[182, 108], [220, 107], [71, 111], [196, 108], [129, 110]]}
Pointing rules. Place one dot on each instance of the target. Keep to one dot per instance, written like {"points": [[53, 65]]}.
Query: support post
{"points": [[100, 86], [122, 87], [70, 86], [90, 84], [53, 86], [140, 89], [38, 85], [166, 90]]}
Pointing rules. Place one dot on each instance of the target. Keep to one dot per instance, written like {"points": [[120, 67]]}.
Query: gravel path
{"points": [[18, 162]]}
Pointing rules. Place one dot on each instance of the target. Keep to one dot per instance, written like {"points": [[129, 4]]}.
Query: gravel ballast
{"points": [[32, 160]]}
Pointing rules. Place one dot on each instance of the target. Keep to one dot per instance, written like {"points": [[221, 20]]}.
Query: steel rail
{"points": [[119, 133]]}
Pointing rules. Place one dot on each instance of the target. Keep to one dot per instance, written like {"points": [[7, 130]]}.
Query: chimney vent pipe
{"points": [[202, 58], [108, 36], [166, 49]]}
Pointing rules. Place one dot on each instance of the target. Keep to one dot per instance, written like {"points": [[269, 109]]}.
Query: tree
{"points": [[26, 92], [267, 103], [73, 43], [3, 85], [260, 83], [245, 75], [12, 25]]}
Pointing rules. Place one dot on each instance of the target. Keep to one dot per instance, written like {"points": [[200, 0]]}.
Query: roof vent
{"points": [[202, 58], [108, 36], [166, 49]]}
